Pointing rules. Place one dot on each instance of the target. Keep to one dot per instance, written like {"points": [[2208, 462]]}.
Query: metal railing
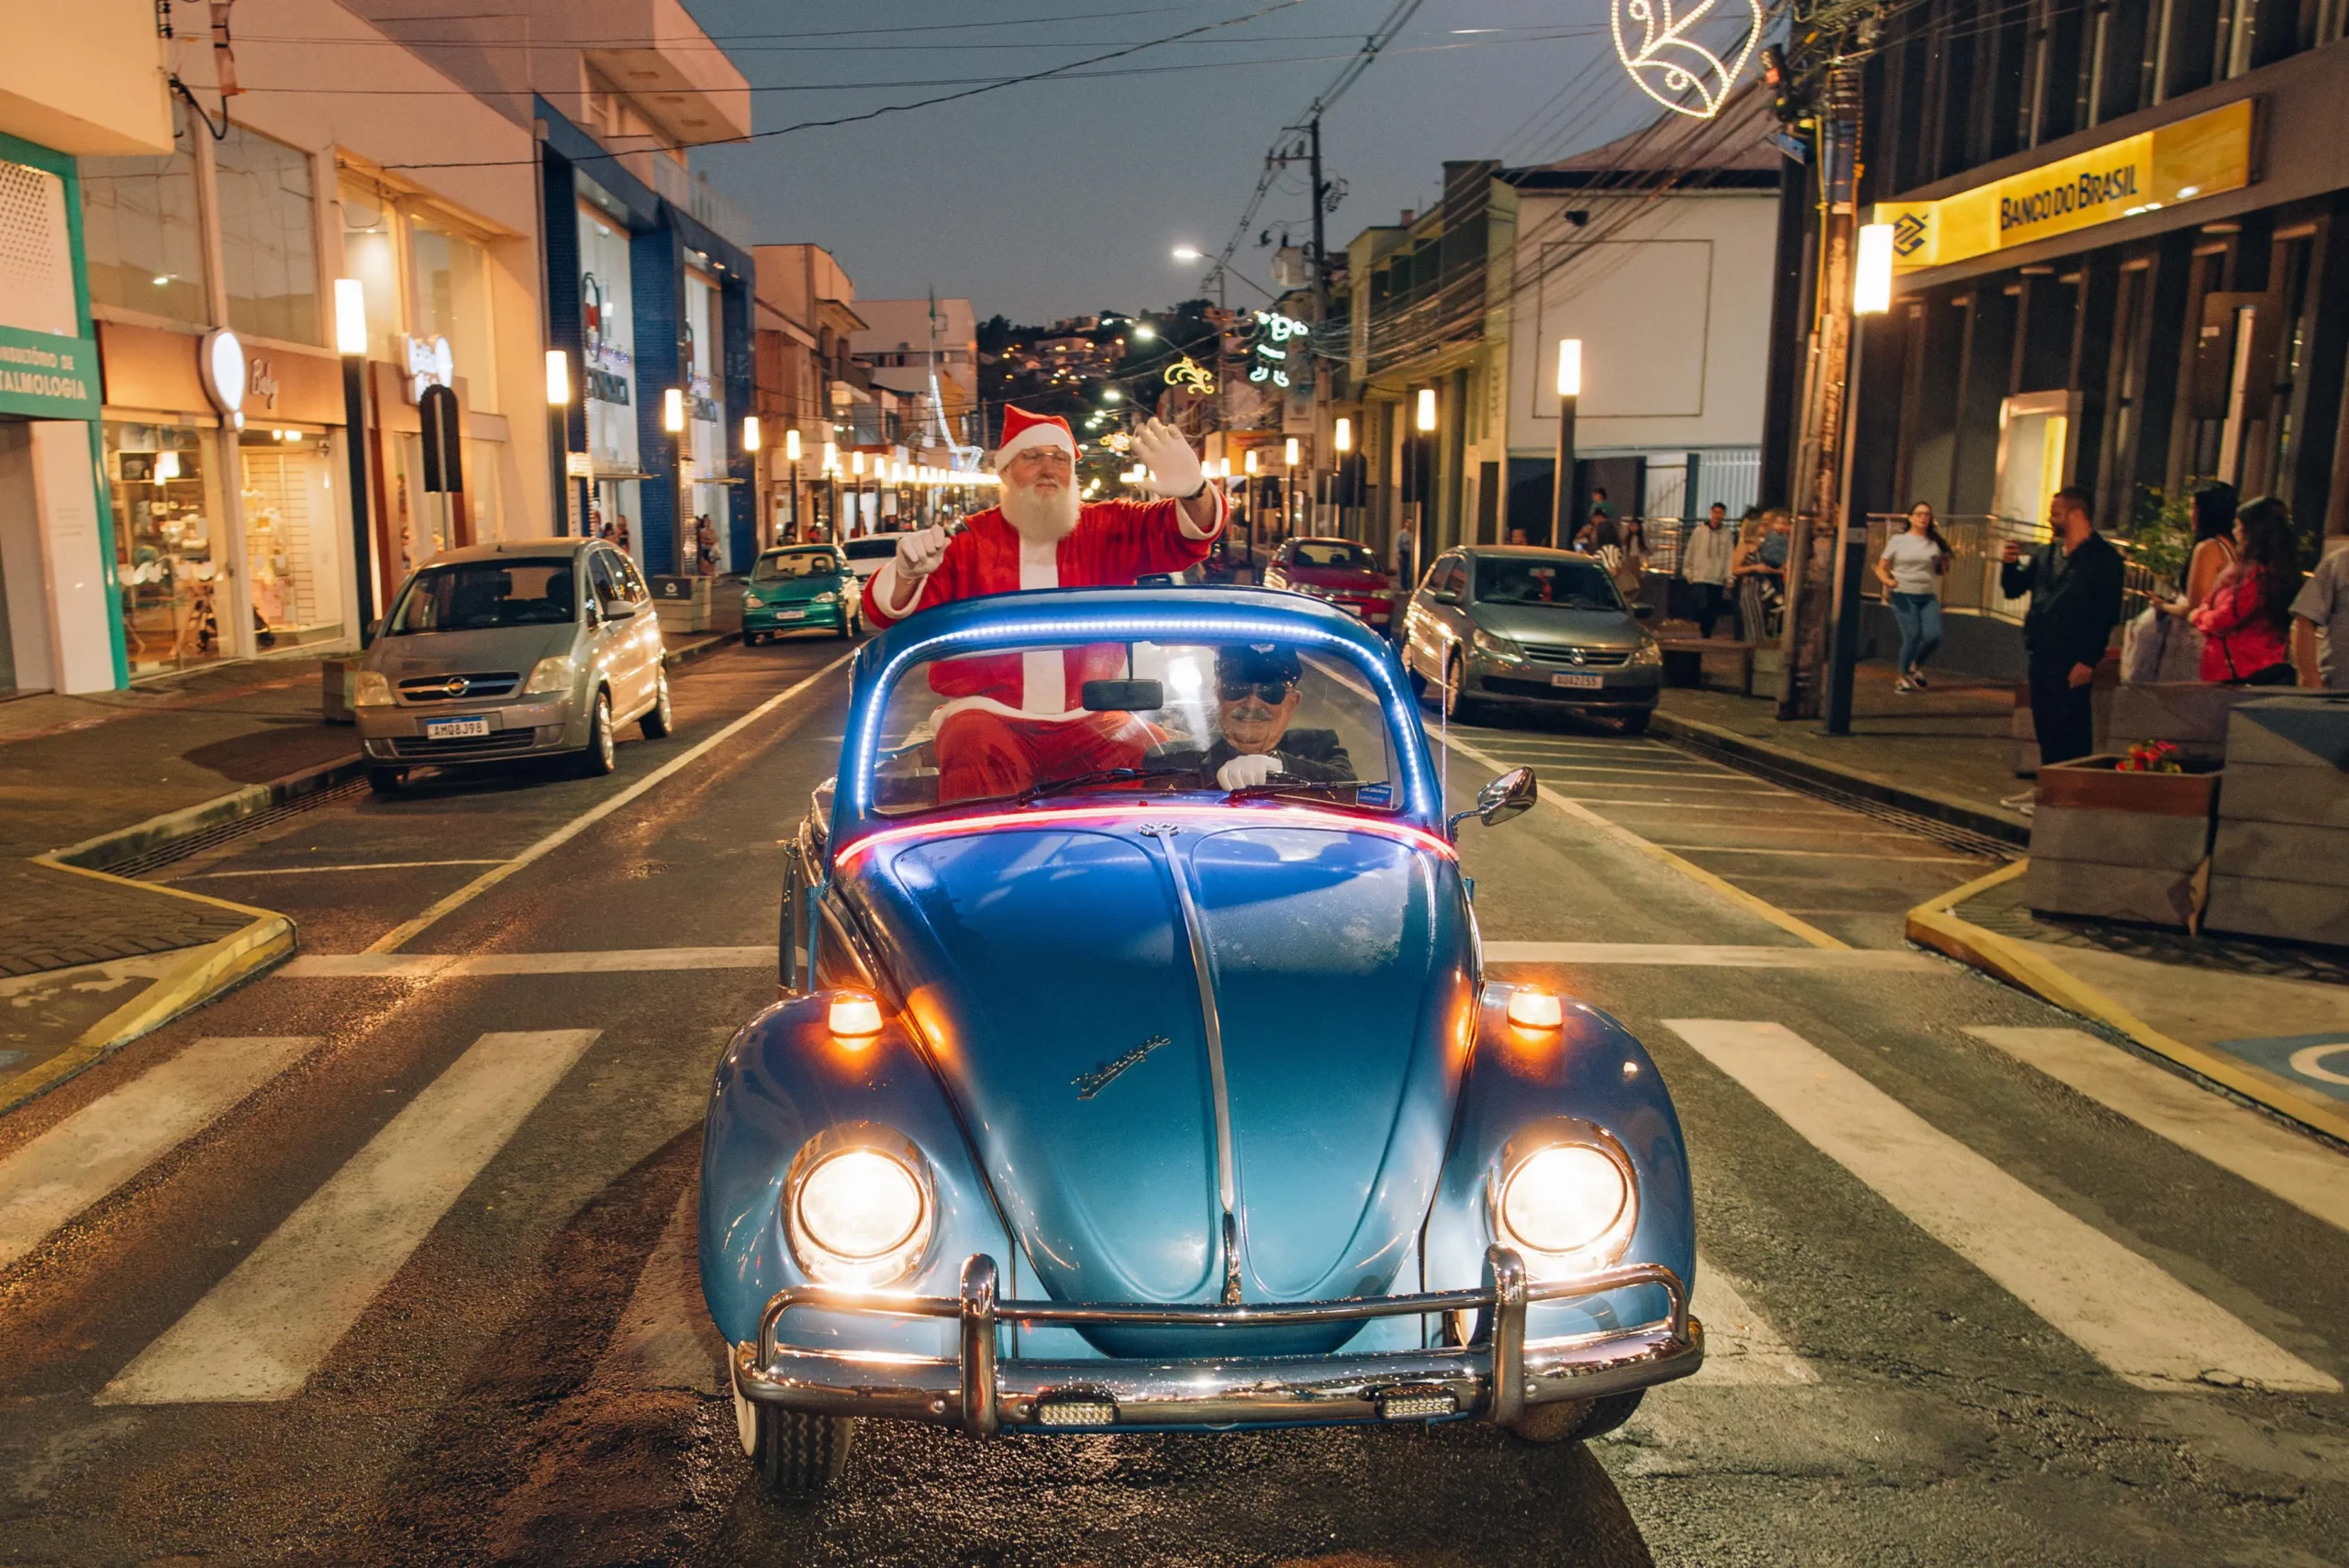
{"points": [[1971, 584]]}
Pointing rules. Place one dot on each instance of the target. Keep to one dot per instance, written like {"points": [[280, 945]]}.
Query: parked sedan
{"points": [[868, 553], [526, 648], [800, 587], [1523, 628], [1337, 570]]}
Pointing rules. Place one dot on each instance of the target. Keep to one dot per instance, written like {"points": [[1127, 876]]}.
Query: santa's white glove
{"points": [[1174, 467], [919, 554], [1253, 769]]}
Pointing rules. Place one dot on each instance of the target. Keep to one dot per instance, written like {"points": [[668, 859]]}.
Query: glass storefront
{"points": [[269, 251], [142, 239], [706, 538], [294, 559], [167, 549], [451, 283], [609, 324]]}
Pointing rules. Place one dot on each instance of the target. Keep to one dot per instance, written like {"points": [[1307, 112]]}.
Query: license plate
{"points": [[456, 729], [791, 615], [1579, 682]]}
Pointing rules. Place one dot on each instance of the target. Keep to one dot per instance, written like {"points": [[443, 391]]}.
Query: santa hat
{"points": [[1022, 430]]}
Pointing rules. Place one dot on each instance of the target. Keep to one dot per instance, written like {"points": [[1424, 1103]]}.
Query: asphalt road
{"points": [[386, 1257]]}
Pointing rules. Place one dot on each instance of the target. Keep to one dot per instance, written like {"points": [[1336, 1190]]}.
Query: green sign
{"points": [[48, 376]]}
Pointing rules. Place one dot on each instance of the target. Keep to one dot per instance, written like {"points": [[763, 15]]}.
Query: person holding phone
{"points": [[2074, 580]]}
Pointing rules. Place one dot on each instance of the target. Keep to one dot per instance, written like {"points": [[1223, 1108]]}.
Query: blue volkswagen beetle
{"points": [[1136, 1069]]}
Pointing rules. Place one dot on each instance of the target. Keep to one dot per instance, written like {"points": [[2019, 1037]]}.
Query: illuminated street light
{"points": [[791, 446], [1144, 332], [672, 411], [350, 316], [1289, 452], [1188, 253], [1343, 437], [1426, 420], [751, 432], [1570, 367], [1872, 270], [1562, 479]]}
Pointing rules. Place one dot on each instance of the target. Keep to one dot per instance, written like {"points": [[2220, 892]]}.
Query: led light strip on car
{"points": [[1222, 816]]}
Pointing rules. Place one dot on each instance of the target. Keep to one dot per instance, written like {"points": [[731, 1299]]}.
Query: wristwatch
{"points": [[1204, 483]]}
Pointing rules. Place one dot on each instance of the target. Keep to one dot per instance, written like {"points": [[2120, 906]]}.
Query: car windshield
{"points": [[1338, 553], [1535, 580], [873, 547], [470, 595], [1126, 718], [778, 564]]}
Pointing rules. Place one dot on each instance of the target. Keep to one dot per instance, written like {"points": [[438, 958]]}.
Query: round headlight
{"points": [[859, 1206], [1561, 1199]]}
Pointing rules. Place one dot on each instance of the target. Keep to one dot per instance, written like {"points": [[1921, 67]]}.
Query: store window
{"points": [[167, 547], [371, 254], [142, 241], [706, 539], [268, 236], [293, 556], [452, 273], [608, 326]]}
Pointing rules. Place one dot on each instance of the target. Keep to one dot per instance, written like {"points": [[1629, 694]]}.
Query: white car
{"points": [[870, 553]]}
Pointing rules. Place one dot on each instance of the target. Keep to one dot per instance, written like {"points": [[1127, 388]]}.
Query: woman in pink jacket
{"points": [[2246, 621]]}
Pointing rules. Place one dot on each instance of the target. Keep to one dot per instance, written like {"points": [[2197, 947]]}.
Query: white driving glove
{"points": [[1253, 769], [919, 554], [1174, 467]]}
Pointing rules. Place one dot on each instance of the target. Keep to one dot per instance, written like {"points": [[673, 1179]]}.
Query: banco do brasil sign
{"points": [[2181, 162]]}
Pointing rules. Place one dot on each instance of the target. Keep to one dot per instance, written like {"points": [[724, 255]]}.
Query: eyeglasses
{"points": [[1272, 694]]}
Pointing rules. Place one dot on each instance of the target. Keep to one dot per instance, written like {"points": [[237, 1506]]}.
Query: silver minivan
{"points": [[525, 648]]}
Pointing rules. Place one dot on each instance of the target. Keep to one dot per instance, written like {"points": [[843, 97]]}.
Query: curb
{"points": [[1934, 924], [1868, 786], [141, 838], [678, 658]]}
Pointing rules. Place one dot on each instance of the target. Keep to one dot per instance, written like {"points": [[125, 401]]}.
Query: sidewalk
{"points": [[91, 959]]}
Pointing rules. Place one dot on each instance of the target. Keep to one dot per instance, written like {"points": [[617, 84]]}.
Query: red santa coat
{"points": [[1114, 542]]}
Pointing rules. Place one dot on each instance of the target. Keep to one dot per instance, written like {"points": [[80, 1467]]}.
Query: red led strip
{"points": [[1283, 817]]}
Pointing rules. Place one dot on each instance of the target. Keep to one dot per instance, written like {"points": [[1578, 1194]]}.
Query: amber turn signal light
{"points": [[1527, 1009], [855, 1019]]}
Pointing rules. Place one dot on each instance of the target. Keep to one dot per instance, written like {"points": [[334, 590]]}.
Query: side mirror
{"points": [[1642, 612], [619, 609], [1511, 794], [1442, 596]]}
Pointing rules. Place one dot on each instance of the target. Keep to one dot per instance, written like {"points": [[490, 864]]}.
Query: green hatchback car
{"points": [[800, 587]]}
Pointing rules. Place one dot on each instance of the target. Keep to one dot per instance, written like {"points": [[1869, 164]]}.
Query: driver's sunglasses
{"points": [[1272, 694]]}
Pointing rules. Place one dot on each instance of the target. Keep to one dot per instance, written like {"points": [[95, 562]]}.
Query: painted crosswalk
{"points": [[260, 1332], [2110, 1301]]}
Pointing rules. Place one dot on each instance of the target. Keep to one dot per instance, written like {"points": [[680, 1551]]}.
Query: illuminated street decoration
{"points": [[1188, 373], [1267, 361], [1667, 63]]}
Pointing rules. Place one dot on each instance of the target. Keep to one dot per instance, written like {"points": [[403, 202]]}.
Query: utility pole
{"points": [[1320, 320], [1818, 502]]}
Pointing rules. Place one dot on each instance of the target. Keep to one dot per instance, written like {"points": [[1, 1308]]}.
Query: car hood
{"points": [[455, 652], [1554, 623], [1052, 971], [790, 590]]}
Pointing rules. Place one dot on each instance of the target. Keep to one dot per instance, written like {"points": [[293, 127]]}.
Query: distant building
{"points": [[901, 343]]}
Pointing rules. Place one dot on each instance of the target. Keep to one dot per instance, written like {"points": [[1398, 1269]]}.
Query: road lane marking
{"points": [[2109, 1301], [313, 870], [1702, 955], [106, 1143], [1672, 802], [260, 1332], [1828, 855], [2299, 1170], [456, 965], [399, 935], [1742, 1347]]}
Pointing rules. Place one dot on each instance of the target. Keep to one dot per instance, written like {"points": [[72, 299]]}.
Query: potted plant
{"points": [[2124, 838]]}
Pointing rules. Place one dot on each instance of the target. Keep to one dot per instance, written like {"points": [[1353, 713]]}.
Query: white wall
{"points": [[1674, 312]]}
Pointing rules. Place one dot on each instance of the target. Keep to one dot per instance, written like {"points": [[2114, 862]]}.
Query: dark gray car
{"points": [[1514, 627]]}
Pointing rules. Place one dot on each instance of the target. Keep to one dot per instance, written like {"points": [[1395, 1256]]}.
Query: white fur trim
{"points": [[1043, 677], [989, 705], [1043, 433], [884, 591]]}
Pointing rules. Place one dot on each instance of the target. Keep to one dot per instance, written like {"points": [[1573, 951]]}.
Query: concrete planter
{"points": [[336, 675], [2189, 715], [2279, 866], [2120, 846], [683, 603]]}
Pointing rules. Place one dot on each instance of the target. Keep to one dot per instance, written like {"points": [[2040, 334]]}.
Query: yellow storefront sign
{"points": [[2180, 163]]}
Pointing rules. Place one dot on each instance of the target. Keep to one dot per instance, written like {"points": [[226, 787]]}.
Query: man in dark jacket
{"points": [[2074, 580], [1256, 694]]}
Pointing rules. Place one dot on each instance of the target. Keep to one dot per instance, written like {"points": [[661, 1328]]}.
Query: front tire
{"points": [[752, 639], [603, 753], [1637, 723], [795, 1453], [660, 718], [386, 781], [1578, 1420], [1458, 705]]}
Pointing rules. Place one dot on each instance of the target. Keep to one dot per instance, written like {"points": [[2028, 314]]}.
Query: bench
{"points": [[1684, 660]]}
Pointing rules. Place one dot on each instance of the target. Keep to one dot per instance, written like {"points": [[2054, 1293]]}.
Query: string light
{"points": [[1668, 65]]}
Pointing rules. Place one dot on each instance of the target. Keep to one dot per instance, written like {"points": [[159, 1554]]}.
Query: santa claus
{"points": [[1014, 719]]}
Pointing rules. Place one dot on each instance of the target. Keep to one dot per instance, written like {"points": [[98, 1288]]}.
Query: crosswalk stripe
{"points": [[1740, 1345], [2297, 1169], [120, 1133], [260, 1333], [451, 966], [1703, 955], [1820, 854], [2115, 1304]]}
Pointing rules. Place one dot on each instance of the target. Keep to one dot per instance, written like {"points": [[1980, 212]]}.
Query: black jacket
{"points": [[2075, 599], [1313, 755]]}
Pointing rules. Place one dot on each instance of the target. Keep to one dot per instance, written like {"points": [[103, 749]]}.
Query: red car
{"points": [[1337, 570]]}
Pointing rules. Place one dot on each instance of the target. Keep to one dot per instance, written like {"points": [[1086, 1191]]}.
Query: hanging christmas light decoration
{"points": [[1188, 373], [1668, 64]]}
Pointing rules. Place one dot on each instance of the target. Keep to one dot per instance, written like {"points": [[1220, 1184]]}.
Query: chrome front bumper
{"points": [[1494, 1377]]}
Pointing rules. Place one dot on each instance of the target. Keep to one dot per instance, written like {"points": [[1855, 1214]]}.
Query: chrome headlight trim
{"points": [[1494, 643], [1648, 652], [552, 676], [892, 1264], [1602, 1251]]}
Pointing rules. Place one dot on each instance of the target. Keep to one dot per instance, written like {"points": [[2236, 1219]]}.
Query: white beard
{"points": [[1040, 517]]}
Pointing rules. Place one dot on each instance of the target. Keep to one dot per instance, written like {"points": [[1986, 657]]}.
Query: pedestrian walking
{"points": [[704, 546], [1705, 552], [1911, 569], [1631, 556], [2074, 580], [1759, 570], [1407, 556], [2246, 621], [2321, 625]]}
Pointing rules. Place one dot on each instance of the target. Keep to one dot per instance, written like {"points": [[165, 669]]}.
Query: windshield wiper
{"points": [[1098, 776], [1283, 784]]}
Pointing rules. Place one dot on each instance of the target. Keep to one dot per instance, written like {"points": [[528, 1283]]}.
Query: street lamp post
{"points": [[350, 342], [559, 431], [832, 489], [1288, 486], [1422, 469], [1561, 491], [672, 419], [754, 438], [791, 456], [1871, 296], [1342, 438]]}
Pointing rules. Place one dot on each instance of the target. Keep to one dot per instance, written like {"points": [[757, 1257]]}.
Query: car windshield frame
{"points": [[426, 580], [801, 552], [1359, 558], [1478, 582]]}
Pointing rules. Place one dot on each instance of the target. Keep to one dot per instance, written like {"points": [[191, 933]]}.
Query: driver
{"points": [[1256, 695]]}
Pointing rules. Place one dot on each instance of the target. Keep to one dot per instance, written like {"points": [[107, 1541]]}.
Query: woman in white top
{"points": [[1911, 569]]}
